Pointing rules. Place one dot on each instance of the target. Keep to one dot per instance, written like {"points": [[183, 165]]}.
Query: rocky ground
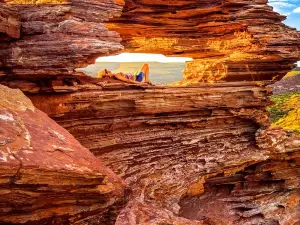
{"points": [[290, 83]]}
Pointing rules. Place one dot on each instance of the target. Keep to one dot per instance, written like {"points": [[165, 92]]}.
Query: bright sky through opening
{"points": [[143, 57]]}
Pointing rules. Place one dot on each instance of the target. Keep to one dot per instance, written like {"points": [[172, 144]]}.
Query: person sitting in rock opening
{"points": [[137, 78]]}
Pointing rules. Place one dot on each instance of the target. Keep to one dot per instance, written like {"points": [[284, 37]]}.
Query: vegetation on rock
{"points": [[286, 111], [292, 74]]}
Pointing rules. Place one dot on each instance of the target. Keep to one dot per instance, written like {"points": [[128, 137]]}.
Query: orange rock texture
{"points": [[201, 153], [46, 176], [229, 39], [189, 155]]}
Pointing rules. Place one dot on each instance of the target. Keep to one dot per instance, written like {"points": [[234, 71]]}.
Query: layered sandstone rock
{"points": [[9, 23], [57, 38], [230, 40], [200, 154], [46, 176], [263, 193], [172, 144]]}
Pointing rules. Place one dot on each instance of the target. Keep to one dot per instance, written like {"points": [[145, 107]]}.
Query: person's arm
{"points": [[120, 77]]}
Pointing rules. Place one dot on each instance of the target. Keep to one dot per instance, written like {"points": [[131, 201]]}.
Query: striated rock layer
{"points": [[172, 144], [46, 176], [57, 38], [262, 193], [231, 40], [201, 154]]}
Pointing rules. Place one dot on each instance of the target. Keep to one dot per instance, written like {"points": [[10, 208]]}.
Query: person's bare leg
{"points": [[145, 70]]}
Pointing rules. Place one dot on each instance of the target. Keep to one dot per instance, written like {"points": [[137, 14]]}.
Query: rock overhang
{"points": [[230, 40], [167, 142]]}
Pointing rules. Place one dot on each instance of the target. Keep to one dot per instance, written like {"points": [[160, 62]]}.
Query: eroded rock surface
{"points": [[200, 154], [57, 38], [172, 144], [9, 23], [263, 193], [230, 40], [46, 176]]}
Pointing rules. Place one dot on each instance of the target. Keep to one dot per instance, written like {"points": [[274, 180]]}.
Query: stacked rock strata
{"points": [[200, 154], [172, 145], [230, 40], [57, 38]]}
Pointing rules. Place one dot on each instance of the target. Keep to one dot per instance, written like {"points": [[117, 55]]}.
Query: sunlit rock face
{"points": [[230, 40], [200, 154], [58, 37], [46, 176]]}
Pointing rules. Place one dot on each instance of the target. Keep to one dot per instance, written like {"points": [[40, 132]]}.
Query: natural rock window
{"points": [[163, 70], [207, 143]]}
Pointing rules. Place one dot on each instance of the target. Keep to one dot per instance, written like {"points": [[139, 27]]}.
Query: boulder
{"points": [[46, 175]]}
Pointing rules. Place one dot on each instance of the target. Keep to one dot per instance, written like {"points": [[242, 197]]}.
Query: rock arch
{"points": [[167, 143]]}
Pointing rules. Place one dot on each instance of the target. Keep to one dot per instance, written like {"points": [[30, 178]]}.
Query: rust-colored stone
{"points": [[230, 40], [201, 154], [57, 38], [172, 144], [45, 174], [9, 23]]}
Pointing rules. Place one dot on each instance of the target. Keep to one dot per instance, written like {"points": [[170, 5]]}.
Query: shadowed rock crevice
{"points": [[261, 193]]}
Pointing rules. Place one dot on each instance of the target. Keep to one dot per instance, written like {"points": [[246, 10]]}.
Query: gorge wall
{"points": [[200, 153]]}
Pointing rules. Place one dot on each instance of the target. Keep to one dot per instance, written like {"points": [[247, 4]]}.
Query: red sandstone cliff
{"points": [[201, 154], [230, 40]]}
